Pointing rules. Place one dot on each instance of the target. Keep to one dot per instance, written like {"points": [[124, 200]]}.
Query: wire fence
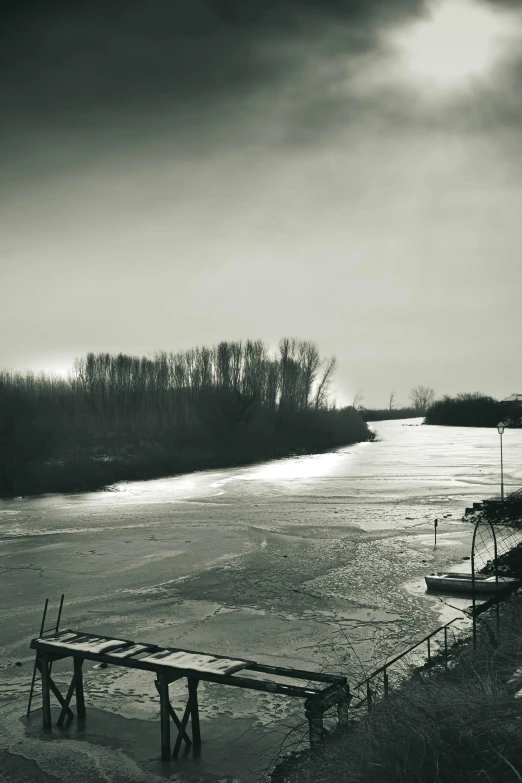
{"points": [[435, 649]]}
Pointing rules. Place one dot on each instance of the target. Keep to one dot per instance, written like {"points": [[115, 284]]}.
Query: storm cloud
{"points": [[63, 57], [180, 171], [64, 63]]}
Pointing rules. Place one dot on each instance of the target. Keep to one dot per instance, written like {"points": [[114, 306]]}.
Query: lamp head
{"points": [[500, 427]]}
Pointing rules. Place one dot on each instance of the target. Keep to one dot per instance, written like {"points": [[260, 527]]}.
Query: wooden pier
{"points": [[170, 664]]}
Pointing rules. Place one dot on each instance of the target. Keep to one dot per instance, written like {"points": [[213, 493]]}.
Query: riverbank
{"points": [[72, 465], [441, 726], [127, 418], [90, 474]]}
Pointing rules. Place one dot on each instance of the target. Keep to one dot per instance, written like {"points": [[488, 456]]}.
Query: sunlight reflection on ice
{"points": [[315, 466]]}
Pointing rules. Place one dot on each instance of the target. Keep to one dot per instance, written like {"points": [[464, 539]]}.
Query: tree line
{"points": [[124, 417], [421, 398], [463, 410], [474, 410]]}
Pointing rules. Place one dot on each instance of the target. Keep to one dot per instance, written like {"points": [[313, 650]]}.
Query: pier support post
{"points": [[163, 688], [343, 707], [194, 710], [78, 678], [314, 714], [46, 692]]}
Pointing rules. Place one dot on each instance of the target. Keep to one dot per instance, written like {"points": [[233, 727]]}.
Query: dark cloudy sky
{"points": [[177, 172]]}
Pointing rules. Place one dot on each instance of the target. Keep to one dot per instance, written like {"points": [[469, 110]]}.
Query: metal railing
{"points": [[441, 656]]}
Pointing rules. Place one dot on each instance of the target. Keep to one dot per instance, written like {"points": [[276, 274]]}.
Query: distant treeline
{"points": [[376, 414], [474, 410], [123, 417]]}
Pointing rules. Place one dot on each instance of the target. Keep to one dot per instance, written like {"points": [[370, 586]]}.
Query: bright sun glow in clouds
{"points": [[458, 41]]}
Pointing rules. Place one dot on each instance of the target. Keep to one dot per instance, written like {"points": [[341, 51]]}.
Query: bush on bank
{"points": [[473, 410], [507, 512], [124, 418]]}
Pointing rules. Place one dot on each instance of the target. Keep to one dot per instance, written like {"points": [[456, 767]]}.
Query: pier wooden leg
{"points": [[175, 718], [80, 698], [163, 687], [184, 721], [59, 698], [315, 724], [46, 693], [193, 698], [65, 706], [342, 708]]}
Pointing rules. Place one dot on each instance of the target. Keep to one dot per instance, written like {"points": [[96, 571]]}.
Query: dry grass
{"points": [[458, 726]]}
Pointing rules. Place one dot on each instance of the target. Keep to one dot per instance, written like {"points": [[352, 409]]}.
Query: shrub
{"points": [[473, 410]]}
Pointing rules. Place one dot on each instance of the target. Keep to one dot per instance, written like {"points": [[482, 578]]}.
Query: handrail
{"points": [[405, 652]]}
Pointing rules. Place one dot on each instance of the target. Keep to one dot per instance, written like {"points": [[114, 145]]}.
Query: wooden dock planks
{"points": [[171, 664], [197, 662]]}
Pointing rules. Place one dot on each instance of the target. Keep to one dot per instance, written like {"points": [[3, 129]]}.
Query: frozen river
{"points": [[280, 562]]}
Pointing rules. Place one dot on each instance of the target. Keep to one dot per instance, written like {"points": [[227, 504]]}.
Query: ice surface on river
{"points": [[372, 485], [316, 562]]}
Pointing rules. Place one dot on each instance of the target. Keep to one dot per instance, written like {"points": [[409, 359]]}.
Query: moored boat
{"points": [[463, 583]]}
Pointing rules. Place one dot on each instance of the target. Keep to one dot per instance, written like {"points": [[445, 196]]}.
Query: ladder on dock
{"points": [[43, 630]]}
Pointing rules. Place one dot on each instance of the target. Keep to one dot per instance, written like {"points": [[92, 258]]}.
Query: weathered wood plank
{"points": [[197, 662], [233, 680], [314, 714], [170, 664], [133, 649], [300, 674], [193, 697], [328, 697], [59, 697], [65, 707], [183, 727], [80, 698], [166, 650], [45, 672], [174, 716], [46, 694], [164, 717]]}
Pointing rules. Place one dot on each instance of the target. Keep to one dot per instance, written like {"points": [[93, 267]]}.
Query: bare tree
{"points": [[321, 395], [391, 400], [310, 362], [422, 397], [357, 399]]}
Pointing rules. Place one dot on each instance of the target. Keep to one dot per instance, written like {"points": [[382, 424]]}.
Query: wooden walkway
{"points": [[171, 664]]}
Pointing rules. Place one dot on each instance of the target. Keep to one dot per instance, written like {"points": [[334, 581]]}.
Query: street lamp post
{"points": [[500, 428]]}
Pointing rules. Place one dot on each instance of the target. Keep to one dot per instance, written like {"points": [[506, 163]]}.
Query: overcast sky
{"points": [[179, 172]]}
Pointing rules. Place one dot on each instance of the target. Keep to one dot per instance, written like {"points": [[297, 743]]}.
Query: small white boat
{"points": [[463, 583]]}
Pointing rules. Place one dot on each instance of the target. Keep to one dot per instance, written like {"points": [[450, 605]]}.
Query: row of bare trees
{"points": [[169, 386], [232, 401], [421, 398]]}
